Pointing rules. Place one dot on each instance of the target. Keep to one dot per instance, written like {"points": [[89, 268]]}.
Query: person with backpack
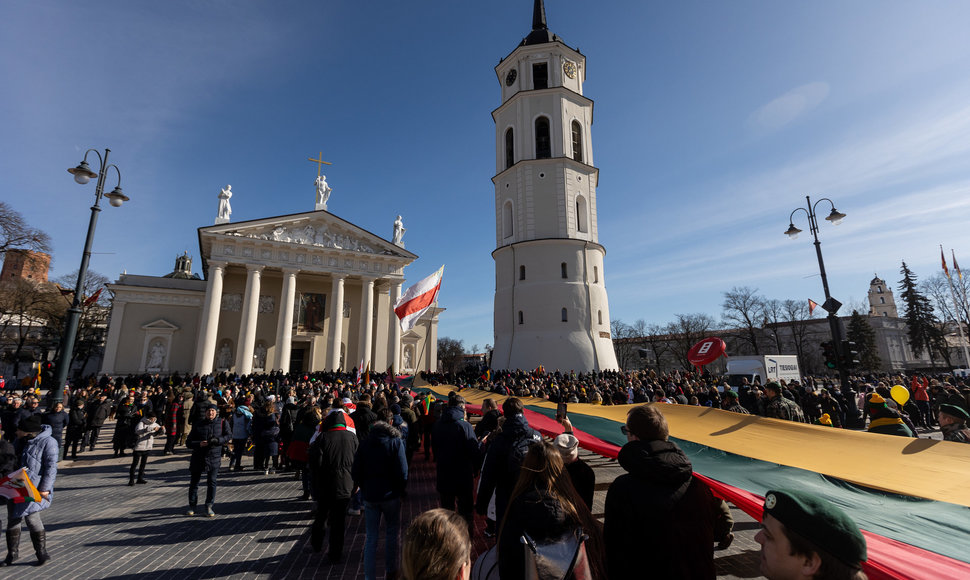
{"points": [[504, 458], [545, 513], [206, 439], [143, 439]]}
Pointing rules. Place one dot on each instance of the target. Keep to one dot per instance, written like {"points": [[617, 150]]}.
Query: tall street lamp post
{"points": [[82, 174], [831, 305]]}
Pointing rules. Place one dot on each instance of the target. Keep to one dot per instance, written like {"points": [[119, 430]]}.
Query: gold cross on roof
{"points": [[320, 163]]}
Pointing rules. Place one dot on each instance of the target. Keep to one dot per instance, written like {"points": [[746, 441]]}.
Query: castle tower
{"points": [[25, 265], [881, 301], [551, 307]]}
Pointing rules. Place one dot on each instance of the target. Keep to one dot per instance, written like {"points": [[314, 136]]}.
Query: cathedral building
{"points": [[551, 306], [298, 293]]}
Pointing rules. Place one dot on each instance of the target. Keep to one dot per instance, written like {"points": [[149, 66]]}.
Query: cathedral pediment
{"points": [[319, 229]]}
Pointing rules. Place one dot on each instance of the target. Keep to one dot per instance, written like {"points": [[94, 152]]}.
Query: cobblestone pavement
{"points": [[100, 528]]}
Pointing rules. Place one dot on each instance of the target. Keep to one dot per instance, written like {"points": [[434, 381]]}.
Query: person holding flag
{"points": [[38, 453]]}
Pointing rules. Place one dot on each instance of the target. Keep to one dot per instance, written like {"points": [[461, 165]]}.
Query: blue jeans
{"points": [[373, 510]]}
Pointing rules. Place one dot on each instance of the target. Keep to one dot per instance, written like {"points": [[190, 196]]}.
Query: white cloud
{"points": [[788, 107]]}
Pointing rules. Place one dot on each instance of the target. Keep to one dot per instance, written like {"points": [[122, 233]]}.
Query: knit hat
{"points": [[396, 409], [31, 424], [568, 447], [818, 521], [825, 419], [954, 411]]}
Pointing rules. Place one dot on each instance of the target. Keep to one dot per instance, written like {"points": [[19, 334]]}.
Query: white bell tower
{"points": [[551, 307]]}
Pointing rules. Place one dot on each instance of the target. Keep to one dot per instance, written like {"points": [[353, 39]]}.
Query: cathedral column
{"points": [[205, 353], [336, 320], [395, 324], [114, 337], [284, 329], [366, 319], [247, 326]]}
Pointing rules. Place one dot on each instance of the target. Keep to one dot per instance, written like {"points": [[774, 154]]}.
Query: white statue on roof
{"points": [[323, 192], [225, 210]]}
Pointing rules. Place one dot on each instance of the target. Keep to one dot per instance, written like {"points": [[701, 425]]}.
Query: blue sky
{"points": [[713, 121]]}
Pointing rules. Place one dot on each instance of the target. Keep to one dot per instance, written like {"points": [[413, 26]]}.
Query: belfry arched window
{"points": [[565, 316], [543, 142], [582, 215], [521, 319], [507, 220], [577, 141], [521, 272], [509, 148]]}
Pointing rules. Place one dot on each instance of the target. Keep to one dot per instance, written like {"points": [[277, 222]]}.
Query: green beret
{"points": [[730, 395], [818, 521], [773, 385], [954, 411]]}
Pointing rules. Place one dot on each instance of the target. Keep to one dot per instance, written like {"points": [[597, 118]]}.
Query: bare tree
{"points": [[743, 309], [658, 342], [773, 312], [16, 234], [623, 344], [687, 330], [24, 308], [937, 289], [450, 353], [796, 314], [95, 310]]}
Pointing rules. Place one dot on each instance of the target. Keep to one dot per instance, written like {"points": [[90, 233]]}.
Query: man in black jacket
{"points": [[504, 457], [658, 510], [457, 455], [97, 414], [208, 436], [331, 459]]}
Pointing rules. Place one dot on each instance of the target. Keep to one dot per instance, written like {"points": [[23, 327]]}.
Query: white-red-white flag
{"points": [[417, 299]]}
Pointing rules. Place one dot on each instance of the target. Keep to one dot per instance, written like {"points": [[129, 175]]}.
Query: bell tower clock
{"points": [[551, 307]]}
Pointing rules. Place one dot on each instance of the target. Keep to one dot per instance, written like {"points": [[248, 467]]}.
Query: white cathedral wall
{"points": [[181, 354]]}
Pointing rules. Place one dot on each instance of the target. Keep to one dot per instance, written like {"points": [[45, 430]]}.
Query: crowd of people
{"points": [[350, 441]]}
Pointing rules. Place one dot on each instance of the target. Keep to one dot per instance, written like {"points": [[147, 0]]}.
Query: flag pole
{"points": [[956, 309], [963, 290]]}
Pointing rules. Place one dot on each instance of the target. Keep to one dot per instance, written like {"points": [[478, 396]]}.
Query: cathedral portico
{"points": [[301, 292]]}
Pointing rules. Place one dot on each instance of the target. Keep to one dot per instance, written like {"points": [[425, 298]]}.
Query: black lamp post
{"points": [[82, 174], [831, 305]]}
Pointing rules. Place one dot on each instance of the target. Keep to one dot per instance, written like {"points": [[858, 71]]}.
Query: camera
{"points": [[214, 442]]}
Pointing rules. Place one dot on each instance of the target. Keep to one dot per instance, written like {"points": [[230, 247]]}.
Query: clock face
{"points": [[510, 78], [569, 67]]}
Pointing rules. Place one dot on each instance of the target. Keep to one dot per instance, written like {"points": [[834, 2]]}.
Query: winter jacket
{"points": [[363, 418], [331, 458], [457, 452], [211, 455], [488, 423], [57, 421], [380, 467], [499, 472], [76, 422], [659, 513], [39, 456], [145, 434], [242, 422], [98, 413], [536, 513], [8, 458], [266, 432]]}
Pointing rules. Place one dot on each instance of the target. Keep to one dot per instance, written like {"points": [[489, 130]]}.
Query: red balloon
{"points": [[706, 351]]}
